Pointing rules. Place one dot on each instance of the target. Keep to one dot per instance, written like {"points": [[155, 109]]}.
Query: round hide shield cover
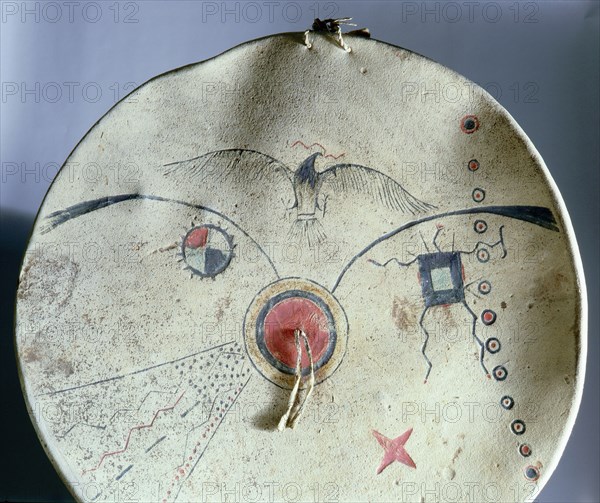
{"points": [[363, 239]]}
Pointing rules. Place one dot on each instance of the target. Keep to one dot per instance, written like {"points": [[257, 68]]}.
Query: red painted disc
{"points": [[287, 316]]}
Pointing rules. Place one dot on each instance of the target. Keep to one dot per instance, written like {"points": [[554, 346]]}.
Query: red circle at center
{"points": [[282, 321]]}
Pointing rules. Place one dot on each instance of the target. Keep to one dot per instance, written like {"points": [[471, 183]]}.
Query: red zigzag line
{"points": [[308, 147], [139, 427]]}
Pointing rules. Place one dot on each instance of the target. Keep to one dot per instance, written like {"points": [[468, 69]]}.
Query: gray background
{"points": [[63, 65]]}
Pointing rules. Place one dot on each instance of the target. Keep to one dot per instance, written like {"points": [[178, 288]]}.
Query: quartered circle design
{"points": [[207, 250]]}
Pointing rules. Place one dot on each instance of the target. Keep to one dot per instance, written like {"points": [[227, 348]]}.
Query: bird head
{"points": [[306, 173]]}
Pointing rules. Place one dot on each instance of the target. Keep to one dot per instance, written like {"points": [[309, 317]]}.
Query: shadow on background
{"points": [[21, 451]]}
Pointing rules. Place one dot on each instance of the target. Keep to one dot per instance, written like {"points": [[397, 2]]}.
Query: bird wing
{"points": [[345, 178], [237, 165]]}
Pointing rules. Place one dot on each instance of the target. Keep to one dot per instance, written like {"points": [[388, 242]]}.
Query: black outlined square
{"points": [[441, 278]]}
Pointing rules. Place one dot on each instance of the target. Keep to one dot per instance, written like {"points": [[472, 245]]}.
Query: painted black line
{"points": [[211, 437], [102, 381], [477, 339], [183, 414], [218, 393], [467, 287], [424, 345], [194, 428], [77, 424], [158, 393], [537, 215], [425, 242], [141, 403], [490, 245], [60, 217], [393, 259], [155, 444], [118, 477], [119, 411], [437, 233]]}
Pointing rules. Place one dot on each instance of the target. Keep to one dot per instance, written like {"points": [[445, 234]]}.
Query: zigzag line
{"points": [[103, 427], [308, 147], [141, 403], [139, 427]]}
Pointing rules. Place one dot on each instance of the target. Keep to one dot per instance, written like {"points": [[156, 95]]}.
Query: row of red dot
{"points": [[217, 420]]}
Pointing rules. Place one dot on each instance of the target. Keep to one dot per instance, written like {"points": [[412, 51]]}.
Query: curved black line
{"points": [[537, 215], [424, 345], [60, 217]]}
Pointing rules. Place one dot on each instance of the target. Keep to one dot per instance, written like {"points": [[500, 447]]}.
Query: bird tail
{"points": [[60, 217], [308, 231]]}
